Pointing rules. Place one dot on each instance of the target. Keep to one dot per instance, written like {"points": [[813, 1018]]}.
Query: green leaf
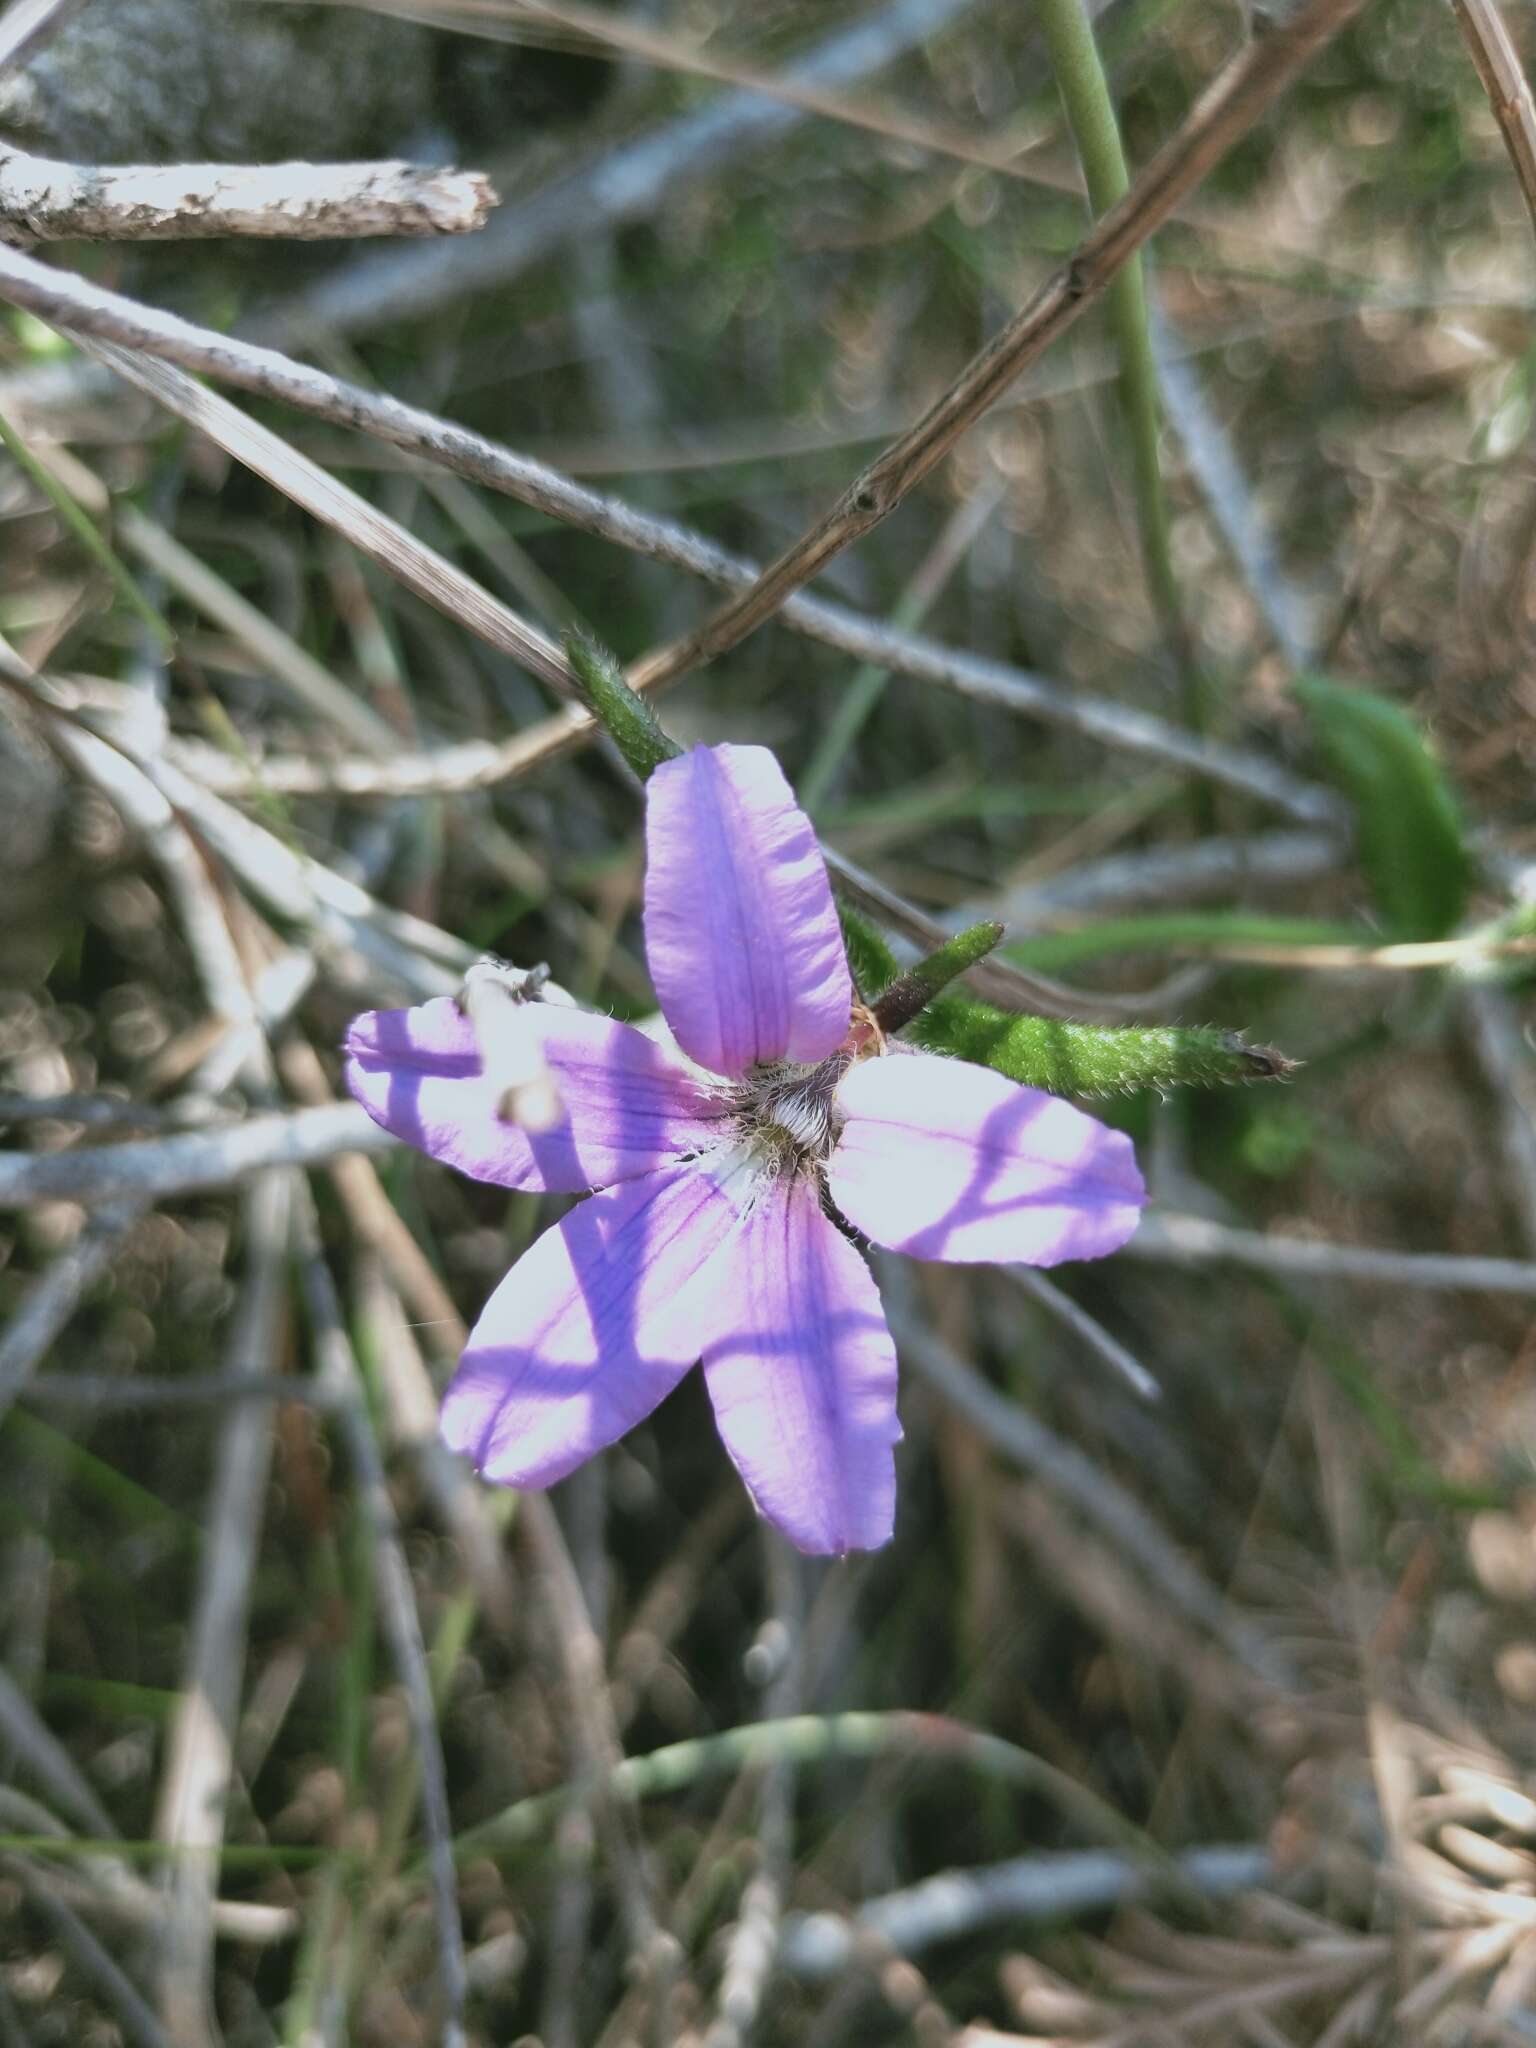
{"points": [[1180, 931], [1411, 843]]}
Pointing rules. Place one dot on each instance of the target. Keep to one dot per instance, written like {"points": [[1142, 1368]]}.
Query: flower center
{"points": [[789, 1113]]}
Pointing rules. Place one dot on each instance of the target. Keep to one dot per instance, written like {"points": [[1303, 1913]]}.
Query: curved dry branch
{"points": [[1225, 112]]}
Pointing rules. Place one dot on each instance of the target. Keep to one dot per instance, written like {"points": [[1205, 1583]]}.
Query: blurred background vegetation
{"points": [[1273, 1618]]}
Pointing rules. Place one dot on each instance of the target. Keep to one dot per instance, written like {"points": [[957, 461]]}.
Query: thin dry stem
{"points": [[1194, 1241], [1504, 81], [420, 568], [52, 1298], [1096, 1494], [200, 1754], [292, 667], [85, 309], [397, 1603], [1221, 117]]}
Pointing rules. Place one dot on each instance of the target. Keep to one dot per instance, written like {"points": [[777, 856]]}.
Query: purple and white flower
{"points": [[710, 1238]]}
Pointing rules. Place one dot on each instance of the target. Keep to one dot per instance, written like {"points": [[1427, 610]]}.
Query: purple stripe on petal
{"points": [[743, 941], [945, 1160], [593, 1326], [804, 1383], [628, 1107]]}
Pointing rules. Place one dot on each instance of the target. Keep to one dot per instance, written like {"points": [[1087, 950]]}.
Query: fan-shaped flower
{"points": [[711, 1238]]}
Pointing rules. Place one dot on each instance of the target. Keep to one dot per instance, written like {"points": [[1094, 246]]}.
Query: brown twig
{"points": [[1220, 118], [83, 309], [1504, 81], [48, 201]]}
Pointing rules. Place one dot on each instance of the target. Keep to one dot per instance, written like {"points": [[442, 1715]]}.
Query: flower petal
{"points": [[804, 1383], [743, 941], [946, 1160], [594, 1325], [628, 1108]]}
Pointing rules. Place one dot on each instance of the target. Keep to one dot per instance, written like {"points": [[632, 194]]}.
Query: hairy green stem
{"points": [[1047, 1052], [622, 712], [1096, 1059]]}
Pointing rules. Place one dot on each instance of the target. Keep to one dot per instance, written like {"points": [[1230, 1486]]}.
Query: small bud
{"points": [[913, 991]]}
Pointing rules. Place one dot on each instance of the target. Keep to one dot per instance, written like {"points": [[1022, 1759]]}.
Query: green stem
{"points": [[630, 721], [809, 1739], [1096, 1059], [1091, 115]]}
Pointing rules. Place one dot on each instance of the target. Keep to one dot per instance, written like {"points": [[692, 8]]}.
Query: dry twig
{"points": [[85, 309], [420, 568], [48, 201], [1194, 1241], [155, 1168], [55, 1294], [402, 1625], [1504, 81], [1223, 115], [1094, 1493]]}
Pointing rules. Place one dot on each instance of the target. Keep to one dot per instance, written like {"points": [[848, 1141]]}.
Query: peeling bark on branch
{"points": [[44, 200]]}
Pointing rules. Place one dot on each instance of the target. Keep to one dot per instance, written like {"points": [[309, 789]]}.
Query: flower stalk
{"points": [[622, 712]]}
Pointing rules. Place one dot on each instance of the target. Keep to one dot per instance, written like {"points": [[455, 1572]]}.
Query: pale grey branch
{"points": [[1177, 1240], [49, 201], [193, 1160], [1031, 1890]]}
